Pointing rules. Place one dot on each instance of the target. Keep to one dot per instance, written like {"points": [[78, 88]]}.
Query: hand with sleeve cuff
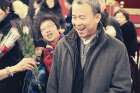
{"points": [[24, 64]]}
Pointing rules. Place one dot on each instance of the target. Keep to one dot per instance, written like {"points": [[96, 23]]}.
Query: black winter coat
{"points": [[130, 37], [12, 57]]}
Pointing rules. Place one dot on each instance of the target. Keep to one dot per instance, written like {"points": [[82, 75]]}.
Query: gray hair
{"points": [[93, 3]]}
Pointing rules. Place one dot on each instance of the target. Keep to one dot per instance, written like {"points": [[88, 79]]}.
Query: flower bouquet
{"points": [[7, 42]]}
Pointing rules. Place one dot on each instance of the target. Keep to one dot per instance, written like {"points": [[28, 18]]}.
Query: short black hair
{"points": [[4, 4], [69, 1], [39, 1], [51, 17]]}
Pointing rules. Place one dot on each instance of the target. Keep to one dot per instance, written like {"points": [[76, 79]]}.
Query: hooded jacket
{"points": [[106, 69]]}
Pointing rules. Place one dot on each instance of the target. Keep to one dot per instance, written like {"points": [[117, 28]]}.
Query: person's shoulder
{"points": [[130, 22], [13, 16], [113, 21], [115, 43], [128, 25], [61, 46], [68, 39], [61, 41]]}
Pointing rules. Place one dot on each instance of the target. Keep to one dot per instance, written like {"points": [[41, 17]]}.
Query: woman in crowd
{"points": [[128, 31], [51, 6], [49, 28]]}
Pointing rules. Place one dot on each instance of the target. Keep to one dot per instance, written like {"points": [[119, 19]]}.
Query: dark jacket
{"points": [[12, 57], [130, 37], [106, 69]]}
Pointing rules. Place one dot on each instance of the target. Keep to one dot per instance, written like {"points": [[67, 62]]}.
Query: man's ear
{"points": [[98, 17]]}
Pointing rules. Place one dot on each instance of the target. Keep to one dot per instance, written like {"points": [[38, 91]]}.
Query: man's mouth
{"points": [[81, 28]]}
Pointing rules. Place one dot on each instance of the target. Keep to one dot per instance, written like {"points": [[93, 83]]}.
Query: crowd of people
{"points": [[83, 50]]}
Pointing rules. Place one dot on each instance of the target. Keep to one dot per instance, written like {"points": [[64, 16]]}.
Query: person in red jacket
{"points": [[49, 28]]}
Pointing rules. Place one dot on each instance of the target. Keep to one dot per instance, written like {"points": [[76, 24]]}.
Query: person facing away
{"points": [[87, 60]]}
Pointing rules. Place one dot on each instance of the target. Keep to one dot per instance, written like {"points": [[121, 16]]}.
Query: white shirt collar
{"points": [[87, 41]]}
